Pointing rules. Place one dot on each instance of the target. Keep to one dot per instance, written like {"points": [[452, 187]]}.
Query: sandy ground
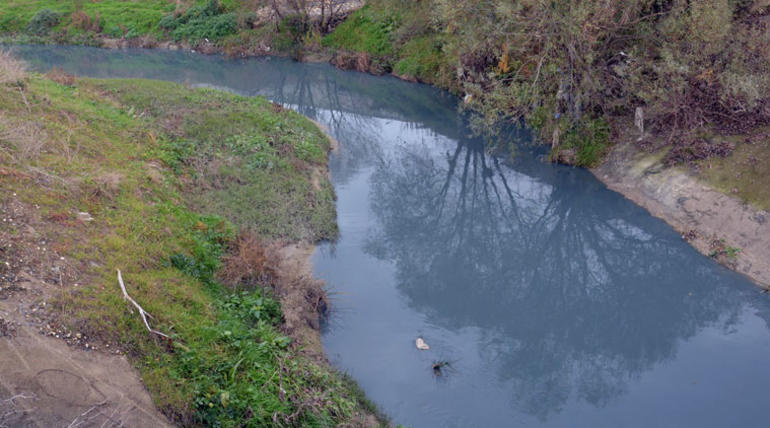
{"points": [[56, 385], [703, 215]]}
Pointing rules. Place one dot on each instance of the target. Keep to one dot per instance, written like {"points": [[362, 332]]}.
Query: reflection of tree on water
{"points": [[572, 293]]}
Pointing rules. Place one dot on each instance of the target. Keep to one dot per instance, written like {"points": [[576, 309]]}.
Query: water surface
{"points": [[556, 301]]}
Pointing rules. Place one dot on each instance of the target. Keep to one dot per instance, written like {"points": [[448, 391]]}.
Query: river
{"points": [[555, 301]]}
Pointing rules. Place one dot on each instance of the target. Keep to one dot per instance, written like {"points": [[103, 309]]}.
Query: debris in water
{"points": [[421, 345]]}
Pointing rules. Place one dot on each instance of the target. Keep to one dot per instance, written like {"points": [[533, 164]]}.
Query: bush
{"points": [[211, 28], [42, 22], [206, 21]]}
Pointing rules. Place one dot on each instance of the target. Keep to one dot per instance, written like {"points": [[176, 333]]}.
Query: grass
{"points": [[171, 176], [117, 17], [367, 30]]}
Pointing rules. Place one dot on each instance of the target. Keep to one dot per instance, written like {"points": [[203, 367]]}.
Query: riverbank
{"points": [[195, 195], [718, 225]]}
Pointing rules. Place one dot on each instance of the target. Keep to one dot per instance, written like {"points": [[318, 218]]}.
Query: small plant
{"points": [[720, 248]]}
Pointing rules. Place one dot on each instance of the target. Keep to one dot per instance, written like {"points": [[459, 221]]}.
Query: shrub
{"points": [[212, 28], [248, 263], [42, 22], [205, 21]]}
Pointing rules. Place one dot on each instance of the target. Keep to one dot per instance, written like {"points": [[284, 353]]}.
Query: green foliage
{"points": [[206, 245], [421, 57], [260, 156], [117, 17], [203, 21], [42, 22], [365, 30], [590, 139]]}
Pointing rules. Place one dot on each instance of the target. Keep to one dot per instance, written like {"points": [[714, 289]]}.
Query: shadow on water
{"points": [[559, 300]]}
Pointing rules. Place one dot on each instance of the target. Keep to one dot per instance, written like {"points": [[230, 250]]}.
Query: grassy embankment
{"points": [[237, 27], [186, 188]]}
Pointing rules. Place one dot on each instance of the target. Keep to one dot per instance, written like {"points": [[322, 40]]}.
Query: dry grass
{"points": [[21, 140], [61, 77], [84, 22], [12, 70], [249, 263]]}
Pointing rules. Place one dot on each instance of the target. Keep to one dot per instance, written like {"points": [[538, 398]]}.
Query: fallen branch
{"points": [[142, 312], [77, 422]]}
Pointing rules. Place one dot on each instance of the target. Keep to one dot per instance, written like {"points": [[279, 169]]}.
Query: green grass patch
{"points": [[117, 17], [421, 58], [590, 139], [366, 30]]}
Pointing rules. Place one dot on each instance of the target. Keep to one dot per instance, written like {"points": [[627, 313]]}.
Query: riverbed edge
{"points": [[717, 225]]}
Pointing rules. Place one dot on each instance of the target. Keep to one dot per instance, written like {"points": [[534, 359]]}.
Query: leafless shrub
{"points": [[12, 70], [85, 22], [21, 140], [249, 263]]}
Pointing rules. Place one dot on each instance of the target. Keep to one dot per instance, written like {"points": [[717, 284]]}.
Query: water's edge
{"points": [[700, 213]]}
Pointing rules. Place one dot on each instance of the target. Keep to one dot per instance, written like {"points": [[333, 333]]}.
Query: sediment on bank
{"points": [[718, 225], [196, 196]]}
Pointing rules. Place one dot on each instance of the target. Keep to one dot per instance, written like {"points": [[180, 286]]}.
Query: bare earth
{"points": [[50, 377], [700, 213], [59, 386]]}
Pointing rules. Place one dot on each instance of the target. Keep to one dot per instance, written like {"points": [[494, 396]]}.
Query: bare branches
{"points": [[10, 408], [84, 417]]}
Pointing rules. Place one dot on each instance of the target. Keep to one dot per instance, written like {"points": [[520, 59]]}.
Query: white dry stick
{"points": [[142, 312]]}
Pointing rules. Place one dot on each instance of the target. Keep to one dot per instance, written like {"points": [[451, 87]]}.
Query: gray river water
{"points": [[556, 301]]}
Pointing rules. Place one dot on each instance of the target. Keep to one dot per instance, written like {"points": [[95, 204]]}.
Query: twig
{"points": [[24, 97], [76, 423], [142, 312]]}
